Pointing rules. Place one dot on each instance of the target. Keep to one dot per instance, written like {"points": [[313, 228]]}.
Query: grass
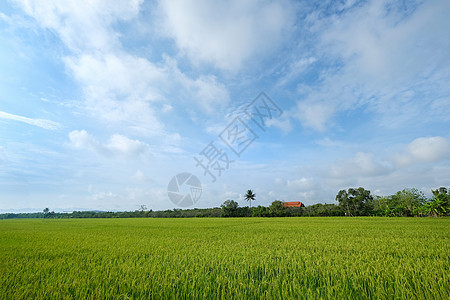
{"points": [[243, 258]]}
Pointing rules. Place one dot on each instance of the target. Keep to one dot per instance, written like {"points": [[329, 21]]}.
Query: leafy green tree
{"points": [[439, 205], [249, 196], [356, 202], [230, 208], [325, 210], [407, 202], [441, 191], [411, 200], [260, 211], [277, 209], [46, 210]]}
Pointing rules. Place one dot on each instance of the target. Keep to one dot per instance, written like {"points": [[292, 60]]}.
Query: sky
{"points": [[104, 102]]}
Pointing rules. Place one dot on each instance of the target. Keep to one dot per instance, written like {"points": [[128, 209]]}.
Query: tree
{"points": [[440, 191], [46, 210], [356, 202], [277, 209], [250, 196], [230, 208], [324, 210], [260, 211], [404, 203], [439, 205]]}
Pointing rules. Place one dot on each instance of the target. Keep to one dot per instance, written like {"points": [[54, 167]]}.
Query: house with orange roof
{"points": [[293, 204]]}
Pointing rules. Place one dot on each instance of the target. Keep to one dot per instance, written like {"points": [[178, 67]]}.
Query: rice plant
{"points": [[219, 258]]}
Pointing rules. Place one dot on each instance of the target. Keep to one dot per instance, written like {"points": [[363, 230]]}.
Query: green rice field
{"points": [[220, 258]]}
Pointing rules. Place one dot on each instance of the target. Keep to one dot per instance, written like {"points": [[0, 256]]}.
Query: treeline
{"points": [[351, 202], [175, 213], [405, 203], [356, 202]]}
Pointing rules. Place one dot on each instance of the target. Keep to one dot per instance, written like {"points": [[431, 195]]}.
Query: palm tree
{"points": [[250, 196]]}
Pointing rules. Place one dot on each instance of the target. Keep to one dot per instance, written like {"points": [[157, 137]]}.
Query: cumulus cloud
{"points": [[116, 145], [125, 88], [81, 139], [424, 149], [119, 87], [391, 171], [225, 33], [123, 145]]}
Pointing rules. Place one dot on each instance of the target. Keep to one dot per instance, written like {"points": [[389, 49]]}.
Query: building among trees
{"points": [[293, 204]]}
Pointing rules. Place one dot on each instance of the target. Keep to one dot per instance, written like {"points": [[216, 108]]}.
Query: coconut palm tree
{"points": [[250, 196]]}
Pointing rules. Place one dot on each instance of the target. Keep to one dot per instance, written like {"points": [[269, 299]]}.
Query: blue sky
{"points": [[102, 102]]}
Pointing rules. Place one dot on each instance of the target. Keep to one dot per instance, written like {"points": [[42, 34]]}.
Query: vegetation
{"points": [[408, 202], [230, 208], [249, 196], [225, 258], [351, 202], [355, 202]]}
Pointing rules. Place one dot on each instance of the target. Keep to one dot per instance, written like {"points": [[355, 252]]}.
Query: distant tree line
{"points": [[405, 203], [351, 202]]}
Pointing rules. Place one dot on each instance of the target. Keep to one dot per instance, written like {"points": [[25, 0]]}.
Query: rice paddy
{"points": [[220, 258]]}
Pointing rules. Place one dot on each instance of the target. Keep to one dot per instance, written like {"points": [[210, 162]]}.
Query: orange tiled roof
{"points": [[293, 204]]}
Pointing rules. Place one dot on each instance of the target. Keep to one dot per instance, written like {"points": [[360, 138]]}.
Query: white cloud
{"points": [[125, 88], [139, 176], [117, 144], [82, 139], [301, 184], [46, 124], [211, 94], [361, 165], [302, 189], [283, 123], [99, 197], [167, 108], [430, 149], [296, 68], [424, 149], [314, 115], [82, 24], [121, 88], [123, 145], [386, 45], [205, 91], [390, 171], [381, 60], [225, 33]]}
